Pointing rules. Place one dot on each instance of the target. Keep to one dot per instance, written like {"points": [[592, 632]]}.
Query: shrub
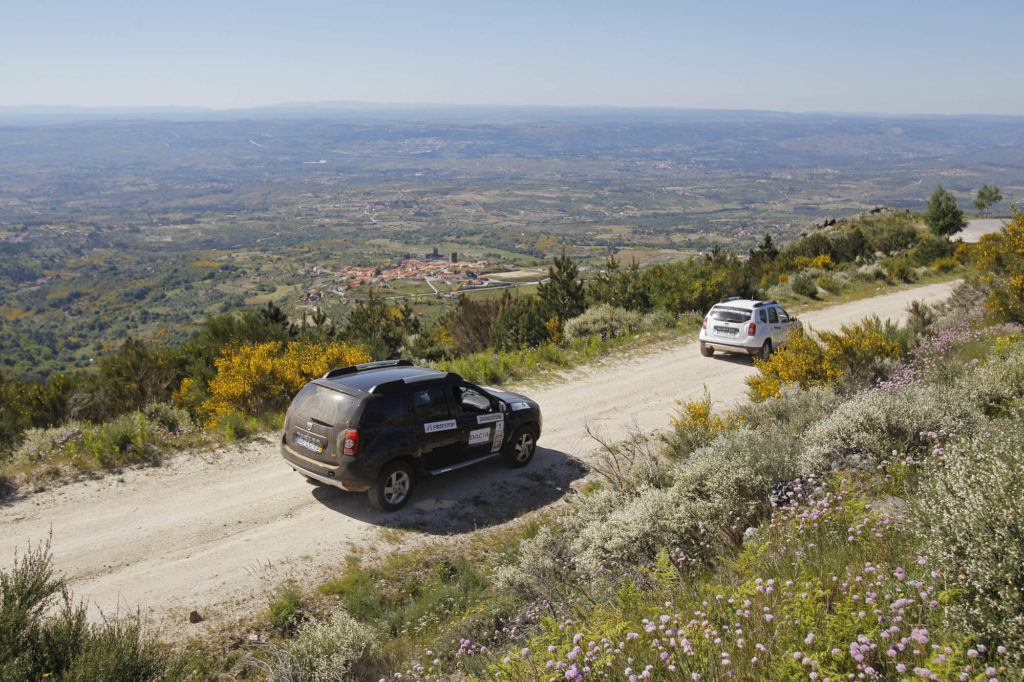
{"points": [[336, 648], [284, 608], [1000, 258], [628, 464], [866, 429], [898, 269], [694, 426], [801, 361], [930, 249], [236, 426], [791, 412], [970, 517], [996, 383], [854, 353], [44, 634], [711, 496], [658, 319], [892, 236], [543, 571], [129, 439], [253, 380], [824, 262], [604, 321], [804, 285], [829, 284], [173, 420], [54, 443]]}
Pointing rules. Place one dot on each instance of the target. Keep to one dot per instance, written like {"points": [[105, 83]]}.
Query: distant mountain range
{"points": [[378, 112]]}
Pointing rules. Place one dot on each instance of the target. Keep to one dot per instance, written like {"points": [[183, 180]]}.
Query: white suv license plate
{"points": [[309, 443], [726, 331]]}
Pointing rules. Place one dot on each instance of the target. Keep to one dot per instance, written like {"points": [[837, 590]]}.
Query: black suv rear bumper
{"points": [[339, 476]]}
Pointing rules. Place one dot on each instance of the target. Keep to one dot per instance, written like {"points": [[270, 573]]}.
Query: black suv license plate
{"points": [[308, 443]]}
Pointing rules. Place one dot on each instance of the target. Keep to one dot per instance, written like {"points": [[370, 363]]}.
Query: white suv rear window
{"points": [[729, 315]]}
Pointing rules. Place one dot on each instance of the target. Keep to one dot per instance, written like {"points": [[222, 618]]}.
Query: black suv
{"points": [[376, 426]]}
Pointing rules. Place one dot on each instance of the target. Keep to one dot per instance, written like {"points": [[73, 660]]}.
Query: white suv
{"points": [[739, 325]]}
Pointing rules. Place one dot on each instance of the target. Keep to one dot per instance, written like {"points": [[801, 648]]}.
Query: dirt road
{"points": [[216, 531]]}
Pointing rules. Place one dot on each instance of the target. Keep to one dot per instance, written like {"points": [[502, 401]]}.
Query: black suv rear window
{"points": [[324, 405], [730, 315]]}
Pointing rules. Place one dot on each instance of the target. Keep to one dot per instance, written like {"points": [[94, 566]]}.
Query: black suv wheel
{"points": [[393, 486], [521, 447]]}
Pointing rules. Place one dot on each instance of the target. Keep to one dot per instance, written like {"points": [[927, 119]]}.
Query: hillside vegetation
{"points": [[860, 522], [239, 371]]}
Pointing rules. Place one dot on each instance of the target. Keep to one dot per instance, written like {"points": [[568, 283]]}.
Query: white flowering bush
{"points": [[867, 428], [998, 381], [544, 571], [714, 494], [791, 412], [604, 321], [970, 517], [658, 319], [329, 650]]}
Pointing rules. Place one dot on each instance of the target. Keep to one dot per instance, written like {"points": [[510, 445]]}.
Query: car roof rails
{"points": [[761, 303], [731, 298], [352, 369]]}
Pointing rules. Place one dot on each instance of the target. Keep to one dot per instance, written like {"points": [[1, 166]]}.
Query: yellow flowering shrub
{"points": [[801, 361], [809, 362], [824, 261], [556, 331], [696, 414], [1000, 258], [256, 379]]}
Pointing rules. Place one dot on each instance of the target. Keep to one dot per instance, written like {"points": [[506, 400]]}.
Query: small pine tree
{"points": [[520, 324], [942, 215], [563, 294]]}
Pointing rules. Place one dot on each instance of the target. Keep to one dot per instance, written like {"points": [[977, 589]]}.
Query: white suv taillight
{"points": [[705, 325], [350, 444], [751, 329]]}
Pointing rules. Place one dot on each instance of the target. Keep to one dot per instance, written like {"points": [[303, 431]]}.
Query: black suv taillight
{"points": [[350, 443]]}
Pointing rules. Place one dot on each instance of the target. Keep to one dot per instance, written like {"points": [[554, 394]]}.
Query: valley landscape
{"points": [[145, 224]]}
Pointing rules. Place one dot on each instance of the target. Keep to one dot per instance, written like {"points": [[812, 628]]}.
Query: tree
{"points": [[471, 324], [765, 253], [380, 328], [519, 325], [620, 288], [942, 215], [136, 374], [563, 294], [987, 197]]}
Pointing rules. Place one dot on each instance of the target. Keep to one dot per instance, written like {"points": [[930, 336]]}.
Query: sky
{"points": [[896, 57]]}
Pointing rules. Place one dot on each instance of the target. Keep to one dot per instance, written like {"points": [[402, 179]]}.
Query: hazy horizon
{"points": [[913, 58]]}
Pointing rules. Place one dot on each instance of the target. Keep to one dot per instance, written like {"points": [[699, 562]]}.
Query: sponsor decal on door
{"points": [[499, 435], [434, 427], [478, 436]]}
